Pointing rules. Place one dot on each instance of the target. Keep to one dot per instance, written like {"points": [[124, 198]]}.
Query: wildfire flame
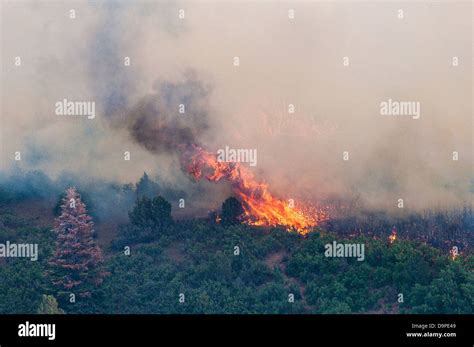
{"points": [[393, 236], [260, 206]]}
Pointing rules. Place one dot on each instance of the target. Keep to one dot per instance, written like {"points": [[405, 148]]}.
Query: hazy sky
{"points": [[282, 61]]}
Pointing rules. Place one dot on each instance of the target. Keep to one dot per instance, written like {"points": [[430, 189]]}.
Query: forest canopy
{"points": [[155, 263]]}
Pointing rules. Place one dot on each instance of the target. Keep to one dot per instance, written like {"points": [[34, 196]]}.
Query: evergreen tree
{"points": [[49, 305], [154, 212], [77, 260], [232, 211], [147, 187]]}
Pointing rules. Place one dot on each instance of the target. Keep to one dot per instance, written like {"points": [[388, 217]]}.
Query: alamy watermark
{"points": [[37, 330], [75, 108], [241, 155], [400, 108], [345, 250], [19, 250]]}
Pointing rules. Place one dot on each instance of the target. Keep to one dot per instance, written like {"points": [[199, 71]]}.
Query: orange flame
{"points": [[260, 206], [393, 236]]}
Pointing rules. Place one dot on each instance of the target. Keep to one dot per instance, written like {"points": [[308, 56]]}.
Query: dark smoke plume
{"points": [[156, 123]]}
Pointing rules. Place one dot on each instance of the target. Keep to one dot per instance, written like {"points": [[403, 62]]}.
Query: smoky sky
{"points": [[190, 61]]}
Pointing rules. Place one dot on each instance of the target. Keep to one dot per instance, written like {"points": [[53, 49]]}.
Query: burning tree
{"points": [[77, 260], [260, 206], [153, 125]]}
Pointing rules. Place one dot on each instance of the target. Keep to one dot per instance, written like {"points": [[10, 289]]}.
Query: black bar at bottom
{"points": [[140, 330]]}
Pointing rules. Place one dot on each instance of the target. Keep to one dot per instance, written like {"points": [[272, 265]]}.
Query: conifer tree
{"points": [[49, 305], [77, 260]]}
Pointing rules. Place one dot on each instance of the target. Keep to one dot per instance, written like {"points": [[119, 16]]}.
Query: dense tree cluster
{"points": [[159, 265]]}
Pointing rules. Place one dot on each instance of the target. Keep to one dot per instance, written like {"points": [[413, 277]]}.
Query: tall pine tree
{"points": [[77, 260]]}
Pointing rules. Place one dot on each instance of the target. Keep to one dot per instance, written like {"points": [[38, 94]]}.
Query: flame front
{"points": [[260, 206]]}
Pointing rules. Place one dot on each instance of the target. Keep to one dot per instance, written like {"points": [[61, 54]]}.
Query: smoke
{"points": [[190, 62], [171, 118]]}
